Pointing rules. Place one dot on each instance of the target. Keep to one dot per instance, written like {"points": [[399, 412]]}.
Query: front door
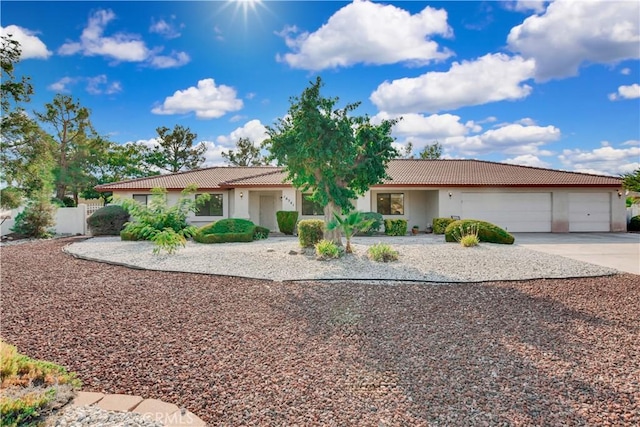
{"points": [[268, 212]]}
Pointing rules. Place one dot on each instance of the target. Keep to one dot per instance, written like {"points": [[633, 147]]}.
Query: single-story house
{"points": [[517, 198]]}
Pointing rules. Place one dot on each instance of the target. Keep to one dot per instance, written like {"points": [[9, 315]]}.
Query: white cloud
{"points": [[213, 155], [422, 130], [606, 160], [149, 143], [491, 78], [625, 71], [253, 130], [626, 92], [206, 100], [537, 6], [166, 29], [30, 45], [100, 85], [61, 85], [370, 33], [175, 59], [120, 47], [511, 139], [527, 160], [574, 32]]}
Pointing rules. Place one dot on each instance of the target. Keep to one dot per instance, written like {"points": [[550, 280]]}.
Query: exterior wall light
{"points": [[241, 194], [450, 194]]}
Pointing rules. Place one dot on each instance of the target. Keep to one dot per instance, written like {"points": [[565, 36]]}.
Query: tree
{"points": [[175, 151], [631, 181], [407, 151], [247, 154], [433, 151], [350, 225], [75, 147], [116, 163], [13, 92], [329, 151]]}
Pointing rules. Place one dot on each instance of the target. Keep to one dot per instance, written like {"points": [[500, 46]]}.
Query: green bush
{"points": [[634, 223], [108, 220], [326, 249], [261, 233], [395, 227], [228, 230], [381, 252], [166, 226], [310, 232], [440, 224], [287, 221], [10, 198], [31, 387], [377, 223], [35, 219], [487, 232], [128, 236]]}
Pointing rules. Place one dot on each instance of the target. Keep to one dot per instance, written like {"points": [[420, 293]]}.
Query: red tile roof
{"points": [[403, 172]]}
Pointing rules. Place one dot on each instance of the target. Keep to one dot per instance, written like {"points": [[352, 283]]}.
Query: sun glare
{"points": [[246, 6]]}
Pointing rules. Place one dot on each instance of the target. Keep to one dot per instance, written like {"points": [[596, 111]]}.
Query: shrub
{"points": [[381, 252], [440, 224], [35, 219], [326, 249], [395, 227], [377, 223], [227, 230], [164, 225], [310, 232], [108, 220], [487, 232], [466, 237], [261, 233], [634, 223], [287, 221], [17, 371], [10, 198], [350, 224]]}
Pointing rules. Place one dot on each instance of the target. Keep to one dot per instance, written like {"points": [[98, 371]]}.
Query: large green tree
{"points": [[246, 154], [631, 181], [175, 151], [14, 92], [330, 151], [117, 162], [76, 143]]}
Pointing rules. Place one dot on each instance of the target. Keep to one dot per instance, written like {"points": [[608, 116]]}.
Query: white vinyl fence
{"points": [[632, 211], [67, 220]]}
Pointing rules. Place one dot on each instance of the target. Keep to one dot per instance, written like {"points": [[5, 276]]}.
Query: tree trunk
{"points": [[334, 235]]}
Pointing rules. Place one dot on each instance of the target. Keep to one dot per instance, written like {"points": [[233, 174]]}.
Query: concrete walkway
{"points": [[614, 250], [166, 413]]}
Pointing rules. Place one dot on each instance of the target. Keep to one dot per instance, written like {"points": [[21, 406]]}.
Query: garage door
{"points": [[589, 211], [512, 211]]}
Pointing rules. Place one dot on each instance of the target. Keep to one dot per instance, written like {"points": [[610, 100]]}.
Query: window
{"points": [[212, 207], [390, 203], [141, 198], [309, 207]]}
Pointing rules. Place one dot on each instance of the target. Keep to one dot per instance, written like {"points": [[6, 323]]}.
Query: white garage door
{"points": [[516, 212], [589, 211]]}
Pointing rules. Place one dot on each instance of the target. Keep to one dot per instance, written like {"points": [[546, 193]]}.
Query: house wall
{"points": [[421, 205]]}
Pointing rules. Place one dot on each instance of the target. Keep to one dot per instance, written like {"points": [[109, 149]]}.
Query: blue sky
{"points": [[529, 82]]}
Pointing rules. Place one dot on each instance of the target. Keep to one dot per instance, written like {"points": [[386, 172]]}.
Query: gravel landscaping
{"points": [[239, 351], [422, 258]]}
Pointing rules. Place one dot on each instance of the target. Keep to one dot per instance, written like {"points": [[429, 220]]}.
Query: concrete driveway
{"points": [[615, 250]]}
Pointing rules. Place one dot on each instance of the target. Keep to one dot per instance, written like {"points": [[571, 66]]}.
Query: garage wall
{"points": [[572, 209]]}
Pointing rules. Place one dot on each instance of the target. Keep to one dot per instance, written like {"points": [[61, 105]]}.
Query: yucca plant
{"points": [[350, 224]]}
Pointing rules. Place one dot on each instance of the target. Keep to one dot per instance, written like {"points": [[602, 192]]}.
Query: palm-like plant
{"points": [[350, 224]]}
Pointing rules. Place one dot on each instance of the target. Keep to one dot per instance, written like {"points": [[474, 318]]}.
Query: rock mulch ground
{"points": [[254, 352]]}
